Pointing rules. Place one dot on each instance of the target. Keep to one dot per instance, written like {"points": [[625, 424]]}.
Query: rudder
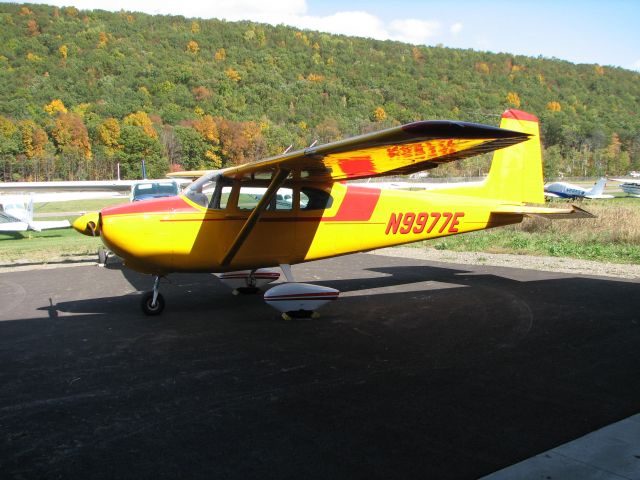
{"points": [[516, 171]]}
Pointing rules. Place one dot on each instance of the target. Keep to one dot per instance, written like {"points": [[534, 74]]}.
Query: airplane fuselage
{"points": [[565, 190], [179, 235]]}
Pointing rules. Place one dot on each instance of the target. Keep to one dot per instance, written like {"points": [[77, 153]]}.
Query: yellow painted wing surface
{"points": [[396, 151]]}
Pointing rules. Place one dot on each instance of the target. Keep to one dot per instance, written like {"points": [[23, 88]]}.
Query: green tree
{"points": [[137, 146], [552, 162], [193, 149]]}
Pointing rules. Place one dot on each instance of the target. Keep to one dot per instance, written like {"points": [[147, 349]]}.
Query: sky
{"points": [[585, 31]]}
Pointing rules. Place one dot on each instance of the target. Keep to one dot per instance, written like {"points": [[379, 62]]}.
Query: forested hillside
{"points": [[83, 90]]}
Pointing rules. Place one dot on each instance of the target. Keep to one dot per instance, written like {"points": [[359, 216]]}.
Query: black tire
{"points": [[103, 256], [248, 290], [145, 304], [300, 313]]}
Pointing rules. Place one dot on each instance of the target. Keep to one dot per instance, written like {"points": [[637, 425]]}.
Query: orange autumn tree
{"points": [[34, 139], [208, 130], [240, 142], [70, 135]]}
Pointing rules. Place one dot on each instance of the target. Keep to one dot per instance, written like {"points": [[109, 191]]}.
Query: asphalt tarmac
{"points": [[419, 370]]}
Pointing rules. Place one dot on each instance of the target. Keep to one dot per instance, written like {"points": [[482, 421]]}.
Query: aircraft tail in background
{"points": [[598, 189]]}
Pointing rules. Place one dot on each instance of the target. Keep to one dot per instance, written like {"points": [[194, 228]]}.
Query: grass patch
{"points": [[614, 236], [46, 245]]}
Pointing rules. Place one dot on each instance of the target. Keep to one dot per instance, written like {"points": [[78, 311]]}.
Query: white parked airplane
{"points": [[16, 215], [568, 190], [630, 186]]}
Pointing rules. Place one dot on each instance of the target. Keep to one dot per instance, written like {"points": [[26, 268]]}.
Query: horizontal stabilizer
{"points": [[551, 213], [49, 224]]}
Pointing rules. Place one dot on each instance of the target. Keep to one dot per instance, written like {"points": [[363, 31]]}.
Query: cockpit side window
{"points": [[249, 197], [314, 199], [220, 197]]}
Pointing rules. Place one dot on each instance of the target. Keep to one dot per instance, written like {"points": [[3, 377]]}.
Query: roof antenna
{"points": [[313, 144], [286, 150]]}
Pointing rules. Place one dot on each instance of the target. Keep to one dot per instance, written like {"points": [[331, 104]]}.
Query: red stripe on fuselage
{"points": [[357, 205], [155, 205]]}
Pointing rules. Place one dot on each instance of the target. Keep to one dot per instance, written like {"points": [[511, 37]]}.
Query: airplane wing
{"points": [[80, 186], [634, 181], [550, 195], [73, 190], [396, 151]]}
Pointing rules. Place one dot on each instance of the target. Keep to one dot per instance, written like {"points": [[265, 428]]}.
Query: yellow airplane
{"points": [[298, 207]]}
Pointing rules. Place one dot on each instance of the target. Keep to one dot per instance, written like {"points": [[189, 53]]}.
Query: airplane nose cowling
{"points": [[87, 224]]}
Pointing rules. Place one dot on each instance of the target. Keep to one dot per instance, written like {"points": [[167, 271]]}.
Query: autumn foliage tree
{"points": [[34, 139], [109, 134], [54, 107], [193, 47], [71, 139], [513, 99], [379, 114], [240, 142], [141, 119]]}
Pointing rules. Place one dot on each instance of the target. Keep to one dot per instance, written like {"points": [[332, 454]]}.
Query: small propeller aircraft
{"points": [[569, 190], [630, 186], [16, 215], [305, 210]]}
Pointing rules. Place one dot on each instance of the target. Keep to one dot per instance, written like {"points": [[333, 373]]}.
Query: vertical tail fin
{"points": [[30, 209], [516, 171], [598, 188]]}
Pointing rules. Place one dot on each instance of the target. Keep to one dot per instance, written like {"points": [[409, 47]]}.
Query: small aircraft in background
{"points": [[17, 199], [16, 215], [148, 189], [568, 190], [630, 186], [220, 224]]}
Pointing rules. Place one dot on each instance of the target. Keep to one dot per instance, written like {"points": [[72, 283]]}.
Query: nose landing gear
{"points": [[152, 302]]}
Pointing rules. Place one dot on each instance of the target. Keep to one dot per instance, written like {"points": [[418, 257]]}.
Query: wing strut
{"points": [[276, 182]]}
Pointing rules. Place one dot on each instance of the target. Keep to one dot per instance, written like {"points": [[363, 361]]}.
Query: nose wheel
{"points": [[152, 302]]}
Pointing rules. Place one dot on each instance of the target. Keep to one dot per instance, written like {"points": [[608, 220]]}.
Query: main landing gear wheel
{"points": [[103, 257], [153, 302], [147, 304], [246, 290], [300, 314]]}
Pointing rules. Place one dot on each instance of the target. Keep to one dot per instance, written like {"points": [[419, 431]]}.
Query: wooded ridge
{"points": [[81, 91]]}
